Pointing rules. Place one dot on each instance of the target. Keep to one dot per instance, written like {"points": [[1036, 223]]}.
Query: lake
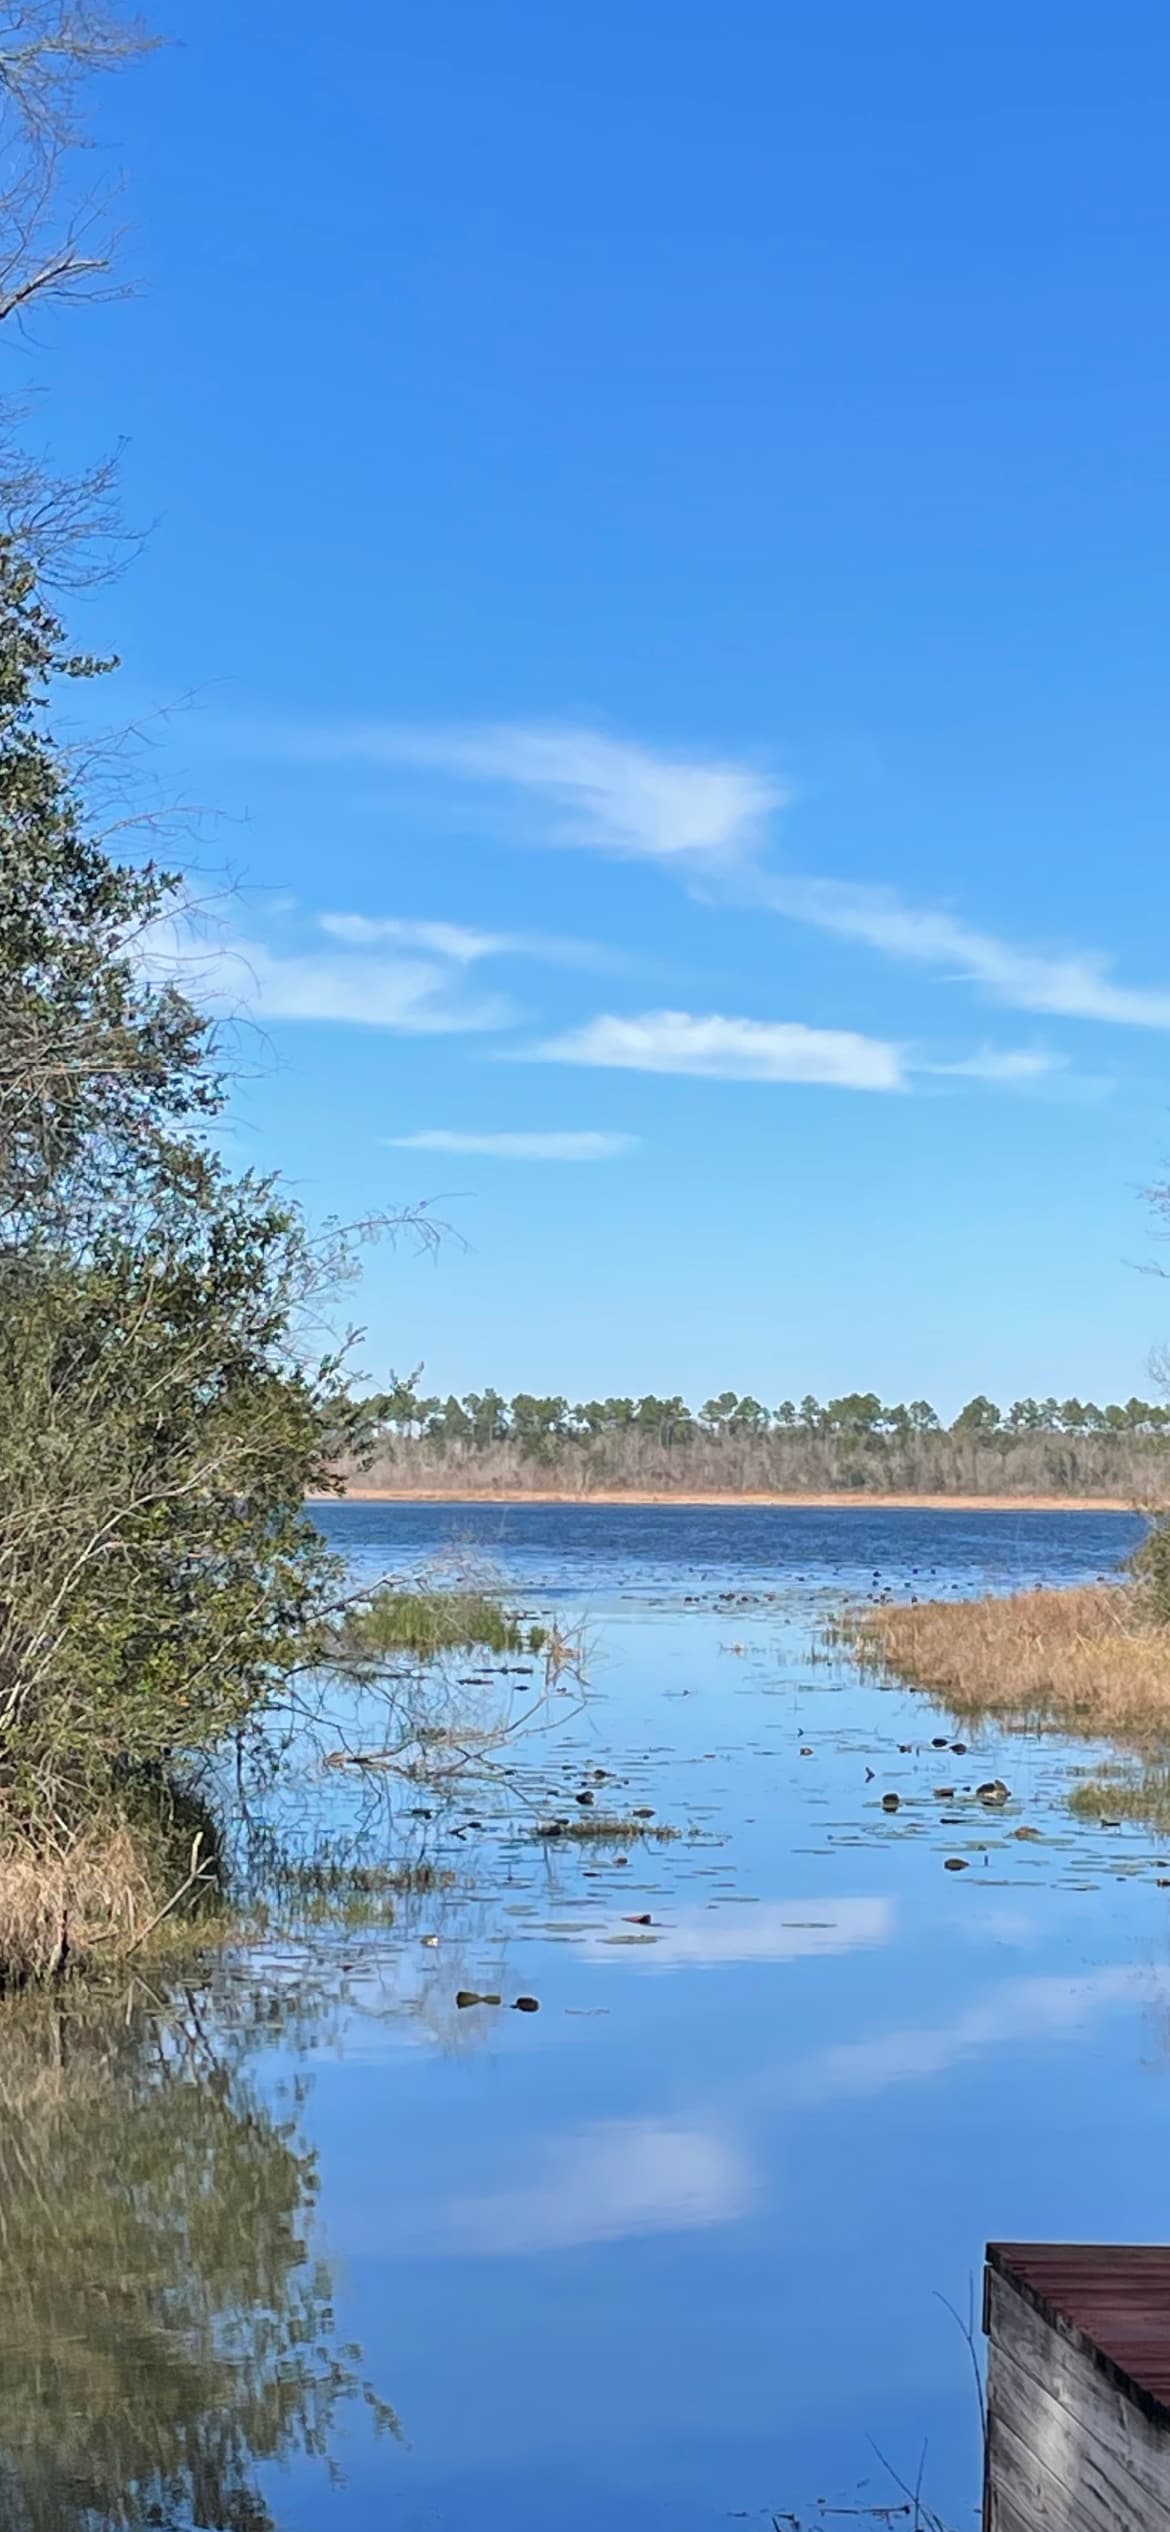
{"points": [[310, 2243]]}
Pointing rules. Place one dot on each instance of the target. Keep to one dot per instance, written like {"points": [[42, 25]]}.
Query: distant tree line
{"points": [[739, 1444]]}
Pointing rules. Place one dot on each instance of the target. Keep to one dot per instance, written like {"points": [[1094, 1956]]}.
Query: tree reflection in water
{"points": [[166, 2325]]}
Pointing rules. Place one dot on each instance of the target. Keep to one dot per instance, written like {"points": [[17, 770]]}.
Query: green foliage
{"points": [[1151, 1564], [431, 1623], [543, 1427], [162, 1411], [980, 1415]]}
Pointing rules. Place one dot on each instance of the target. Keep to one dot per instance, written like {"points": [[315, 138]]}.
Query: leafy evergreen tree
{"points": [[162, 1412]]}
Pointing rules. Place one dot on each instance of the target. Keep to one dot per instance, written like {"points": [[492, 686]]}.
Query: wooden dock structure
{"points": [[1078, 2387]]}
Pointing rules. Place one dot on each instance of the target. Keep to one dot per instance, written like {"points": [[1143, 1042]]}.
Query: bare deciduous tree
{"points": [[58, 236]]}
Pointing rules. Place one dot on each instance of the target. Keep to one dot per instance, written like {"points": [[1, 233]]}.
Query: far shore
{"points": [[859, 1502]]}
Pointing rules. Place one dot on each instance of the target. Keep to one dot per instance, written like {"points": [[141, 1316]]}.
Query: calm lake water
{"points": [[675, 2249]]}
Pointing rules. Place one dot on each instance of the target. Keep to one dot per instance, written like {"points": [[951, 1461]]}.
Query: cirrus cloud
{"points": [[613, 794], [1073, 985], [713, 815], [517, 1147], [724, 1049]]}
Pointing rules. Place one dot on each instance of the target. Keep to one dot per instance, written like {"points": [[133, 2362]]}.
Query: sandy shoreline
{"points": [[730, 1502]]}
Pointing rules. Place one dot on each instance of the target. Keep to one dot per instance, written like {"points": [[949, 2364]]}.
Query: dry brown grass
{"points": [[1089, 1658], [83, 1903]]}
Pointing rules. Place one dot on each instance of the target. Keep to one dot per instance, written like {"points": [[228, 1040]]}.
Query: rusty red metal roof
{"points": [[1115, 2295]]}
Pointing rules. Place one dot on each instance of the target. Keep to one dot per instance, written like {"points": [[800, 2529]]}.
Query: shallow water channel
{"points": [[309, 2243]]}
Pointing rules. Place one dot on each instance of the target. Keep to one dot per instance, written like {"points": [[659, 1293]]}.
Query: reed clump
{"points": [[597, 1828], [430, 1623], [89, 1900], [1095, 1658], [1139, 1794]]}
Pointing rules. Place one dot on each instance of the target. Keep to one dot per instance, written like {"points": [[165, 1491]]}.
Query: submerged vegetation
{"points": [[603, 1829], [1137, 1793]]}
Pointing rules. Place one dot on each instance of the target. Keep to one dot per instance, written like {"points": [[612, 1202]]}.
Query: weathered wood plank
{"points": [[1074, 2381], [1068, 2449], [1047, 2456], [1025, 2497]]}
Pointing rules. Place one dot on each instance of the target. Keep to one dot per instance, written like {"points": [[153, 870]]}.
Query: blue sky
{"points": [[657, 593]]}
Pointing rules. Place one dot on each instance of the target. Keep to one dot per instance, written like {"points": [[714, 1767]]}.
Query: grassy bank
{"points": [[144, 1875], [82, 1904], [1093, 1660]]}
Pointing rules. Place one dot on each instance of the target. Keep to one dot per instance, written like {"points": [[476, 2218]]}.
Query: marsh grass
{"points": [[329, 1890], [596, 1829], [1140, 1795], [430, 1623], [1092, 1659], [90, 1901]]}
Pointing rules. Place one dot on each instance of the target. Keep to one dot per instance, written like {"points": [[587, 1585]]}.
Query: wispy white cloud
{"points": [[711, 818], [416, 996], [608, 2183], [1077, 985], [710, 815], [465, 944], [517, 1147], [611, 794], [1003, 1064], [252, 979], [456, 941], [723, 1049]]}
